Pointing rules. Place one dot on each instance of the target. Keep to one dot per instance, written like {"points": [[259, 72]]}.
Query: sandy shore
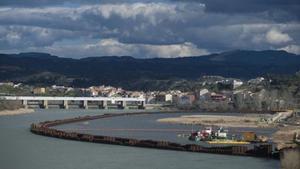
{"points": [[285, 136], [15, 112], [217, 120]]}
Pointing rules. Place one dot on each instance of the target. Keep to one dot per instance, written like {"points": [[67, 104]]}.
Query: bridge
{"points": [[81, 102]]}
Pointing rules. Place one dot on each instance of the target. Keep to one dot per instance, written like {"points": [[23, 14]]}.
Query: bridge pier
{"points": [[25, 104], [65, 104], [85, 104], [45, 104], [142, 105], [124, 105], [104, 104]]}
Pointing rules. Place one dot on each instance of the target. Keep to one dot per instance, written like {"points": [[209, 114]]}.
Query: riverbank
{"points": [[290, 158], [246, 120], [284, 137], [16, 112]]}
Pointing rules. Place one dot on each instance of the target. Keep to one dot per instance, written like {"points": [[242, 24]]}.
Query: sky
{"points": [[146, 29]]}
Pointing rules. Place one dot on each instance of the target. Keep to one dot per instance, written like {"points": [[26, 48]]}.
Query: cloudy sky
{"points": [[143, 29]]}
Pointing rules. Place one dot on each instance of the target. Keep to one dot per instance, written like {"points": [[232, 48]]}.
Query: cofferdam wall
{"points": [[45, 128]]}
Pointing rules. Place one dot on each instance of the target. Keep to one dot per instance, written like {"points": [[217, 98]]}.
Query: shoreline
{"points": [[16, 112], [217, 120], [284, 137], [253, 120]]}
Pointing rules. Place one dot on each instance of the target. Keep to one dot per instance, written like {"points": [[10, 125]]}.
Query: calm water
{"points": [[19, 149], [147, 127]]}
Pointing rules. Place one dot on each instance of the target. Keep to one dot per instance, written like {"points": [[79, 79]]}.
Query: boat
{"points": [[221, 133], [202, 135], [219, 136]]}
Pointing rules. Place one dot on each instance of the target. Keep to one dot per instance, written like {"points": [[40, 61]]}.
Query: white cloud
{"points": [[21, 37], [153, 13], [157, 28], [112, 47], [13, 37], [175, 50], [292, 49], [153, 23], [276, 37]]}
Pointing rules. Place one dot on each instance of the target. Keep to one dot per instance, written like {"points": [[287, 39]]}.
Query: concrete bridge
{"points": [[81, 102]]}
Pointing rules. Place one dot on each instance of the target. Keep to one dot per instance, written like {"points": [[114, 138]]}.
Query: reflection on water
{"points": [[21, 149]]}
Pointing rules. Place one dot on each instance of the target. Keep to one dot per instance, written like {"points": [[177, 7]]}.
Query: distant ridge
{"points": [[34, 55], [46, 69]]}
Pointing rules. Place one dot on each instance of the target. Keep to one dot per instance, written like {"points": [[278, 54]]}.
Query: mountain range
{"points": [[130, 73]]}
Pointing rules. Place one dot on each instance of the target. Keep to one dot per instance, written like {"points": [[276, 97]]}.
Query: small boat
{"points": [[221, 133], [201, 135], [215, 137]]}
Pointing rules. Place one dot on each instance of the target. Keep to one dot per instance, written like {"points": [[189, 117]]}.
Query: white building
{"points": [[169, 98], [236, 83], [203, 92], [256, 81]]}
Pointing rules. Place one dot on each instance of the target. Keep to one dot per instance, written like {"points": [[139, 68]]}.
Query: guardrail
{"points": [[34, 98]]}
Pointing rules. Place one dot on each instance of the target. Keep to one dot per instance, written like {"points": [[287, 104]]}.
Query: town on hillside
{"points": [[210, 93]]}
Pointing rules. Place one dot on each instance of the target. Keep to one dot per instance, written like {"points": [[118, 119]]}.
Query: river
{"points": [[21, 149]]}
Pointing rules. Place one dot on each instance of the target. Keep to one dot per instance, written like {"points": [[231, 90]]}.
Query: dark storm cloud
{"points": [[277, 10], [248, 6], [148, 28]]}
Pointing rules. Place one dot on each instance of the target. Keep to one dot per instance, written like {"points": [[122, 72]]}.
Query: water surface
{"points": [[21, 149], [146, 126]]}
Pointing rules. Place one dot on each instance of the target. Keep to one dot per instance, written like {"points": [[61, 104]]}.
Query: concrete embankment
{"points": [[45, 128]]}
